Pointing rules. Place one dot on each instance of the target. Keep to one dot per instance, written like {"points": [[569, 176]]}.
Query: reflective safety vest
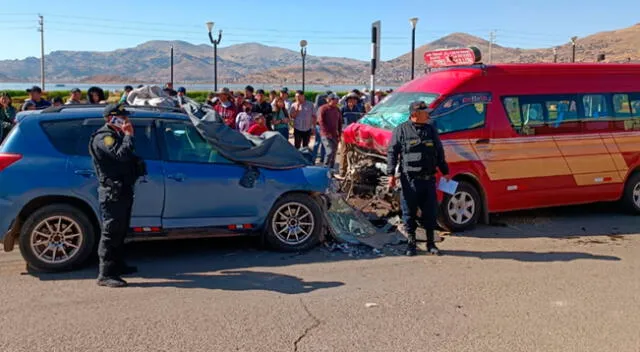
{"points": [[419, 153]]}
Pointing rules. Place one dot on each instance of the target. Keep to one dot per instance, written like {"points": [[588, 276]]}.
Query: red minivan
{"points": [[516, 136]]}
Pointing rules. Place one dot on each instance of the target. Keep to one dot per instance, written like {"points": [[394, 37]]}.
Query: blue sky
{"points": [[332, 28]]}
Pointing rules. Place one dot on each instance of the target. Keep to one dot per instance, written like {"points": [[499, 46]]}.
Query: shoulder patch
{"points": [[108, 141]]}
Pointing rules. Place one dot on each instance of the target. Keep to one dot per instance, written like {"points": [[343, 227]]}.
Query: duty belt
{"points": [[422, 177]]}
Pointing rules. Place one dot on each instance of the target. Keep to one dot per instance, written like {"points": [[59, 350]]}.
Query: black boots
{"points": [[112, 282], [431, 243], [411, 246]]}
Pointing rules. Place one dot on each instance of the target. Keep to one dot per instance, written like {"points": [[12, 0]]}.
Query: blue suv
{"points": [[48, 189]]}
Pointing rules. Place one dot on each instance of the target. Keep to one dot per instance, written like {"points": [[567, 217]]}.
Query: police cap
{"points": [[115, 110]]}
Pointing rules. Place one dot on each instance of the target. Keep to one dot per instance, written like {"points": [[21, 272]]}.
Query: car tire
{"points": [[461, 211], [295, 223], [54, 232], [631, 195]]}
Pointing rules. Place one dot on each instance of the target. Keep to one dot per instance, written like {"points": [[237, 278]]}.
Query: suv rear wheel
{"points": [[295, 223], [56, 237]]}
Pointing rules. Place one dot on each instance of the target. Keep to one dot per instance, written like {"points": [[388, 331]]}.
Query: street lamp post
{"points": [[303, 53], [215, 54], [413, 22], [573, 45]]}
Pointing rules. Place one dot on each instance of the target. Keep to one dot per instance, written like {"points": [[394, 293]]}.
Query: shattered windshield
{"points": [[394, 109]]}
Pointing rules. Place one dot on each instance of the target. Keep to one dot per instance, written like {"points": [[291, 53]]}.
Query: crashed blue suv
{"points": [[48, 188]]}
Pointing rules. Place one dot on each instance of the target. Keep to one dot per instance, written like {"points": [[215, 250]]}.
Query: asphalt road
{"points": [[558, 280]]}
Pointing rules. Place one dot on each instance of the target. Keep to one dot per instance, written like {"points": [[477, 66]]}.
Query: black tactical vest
{"points": [[419, 154], [107, 169]]}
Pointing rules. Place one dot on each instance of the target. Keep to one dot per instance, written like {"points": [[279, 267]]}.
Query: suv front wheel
{"points": [[295, 223], [56, 237]]}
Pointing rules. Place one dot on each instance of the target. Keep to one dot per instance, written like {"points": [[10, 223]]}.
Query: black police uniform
{"points": [[117, 168], [418, 149]]}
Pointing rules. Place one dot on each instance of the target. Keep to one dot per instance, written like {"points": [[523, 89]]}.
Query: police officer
{"points": [[416, 146], [117, 168]]}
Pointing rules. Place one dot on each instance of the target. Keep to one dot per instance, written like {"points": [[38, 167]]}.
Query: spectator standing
{"points": [[244, 119], [284, 94], [239, 99], [211, 99], [125, 95], [352, 111], [272, 96], [261, 106], [317, 139], [75, 98], [182, 91], [29, 105], [248, 94], [321, 99], [7, 115], [95, 95], [259, 127], [330, 122], [57, 101], [35, 98], [226, 108], [379, 95], [304, 118], [281, 118]]}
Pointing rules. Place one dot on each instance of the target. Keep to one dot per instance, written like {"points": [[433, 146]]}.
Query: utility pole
{"points": [[555, 55], [492, 38], [171, 66], [41, 30], [573, 45], [375, 57]]}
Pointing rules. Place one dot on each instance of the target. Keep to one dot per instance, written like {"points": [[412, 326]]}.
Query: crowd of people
{"points": [[250, 111], [256, 111]]}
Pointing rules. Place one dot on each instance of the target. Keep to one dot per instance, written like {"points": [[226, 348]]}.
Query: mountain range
{"points": [[257, 63]]}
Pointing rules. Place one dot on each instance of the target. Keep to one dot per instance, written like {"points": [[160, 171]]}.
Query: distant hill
{"points": [[257, 63]]}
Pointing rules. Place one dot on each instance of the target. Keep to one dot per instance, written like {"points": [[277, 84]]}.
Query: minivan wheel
{"points": [[295, 223], [56, 237], [462, 210], [631, 196]]}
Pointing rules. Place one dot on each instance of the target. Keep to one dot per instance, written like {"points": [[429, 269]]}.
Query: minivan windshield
{"points": [[394, 109]]}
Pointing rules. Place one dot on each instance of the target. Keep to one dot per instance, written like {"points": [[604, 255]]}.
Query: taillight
{"points": [[7, 159]]}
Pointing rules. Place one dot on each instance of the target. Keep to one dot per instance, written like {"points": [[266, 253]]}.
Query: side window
{"points": [[595, 106], [69, 137], [621, 105], [183, 143], [561, 111], [462, 112], [634, 101], [145, 142]]}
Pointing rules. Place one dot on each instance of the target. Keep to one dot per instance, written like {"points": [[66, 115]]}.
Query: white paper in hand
{"points": [[448, 187]]}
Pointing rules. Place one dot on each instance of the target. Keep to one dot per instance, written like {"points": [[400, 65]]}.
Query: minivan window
{"points": [[394, 109]]}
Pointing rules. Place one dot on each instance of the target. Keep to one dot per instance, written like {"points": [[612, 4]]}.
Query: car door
{"points": [[202, 188], [149, 191]]}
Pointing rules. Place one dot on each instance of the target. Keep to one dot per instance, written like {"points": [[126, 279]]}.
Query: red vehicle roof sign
{"points": [[452, 57]]}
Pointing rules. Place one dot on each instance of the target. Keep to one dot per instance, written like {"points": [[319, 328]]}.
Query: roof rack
{"points": [[56, 109]]}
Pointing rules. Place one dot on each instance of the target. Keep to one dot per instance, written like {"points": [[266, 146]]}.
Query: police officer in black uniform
{"points": [[416, 146], [117, 168]]}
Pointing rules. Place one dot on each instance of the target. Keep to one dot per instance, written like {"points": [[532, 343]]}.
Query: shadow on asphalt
{"points": [[601, 219], [220, 264], [534, 257]]}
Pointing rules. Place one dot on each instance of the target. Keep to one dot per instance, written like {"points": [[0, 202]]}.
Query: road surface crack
{"points": [[316, 323]]}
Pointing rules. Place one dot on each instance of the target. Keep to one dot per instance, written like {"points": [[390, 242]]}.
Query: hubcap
{"points": [[293, 223], [461, 208], [636, 195], [56, 239]]}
